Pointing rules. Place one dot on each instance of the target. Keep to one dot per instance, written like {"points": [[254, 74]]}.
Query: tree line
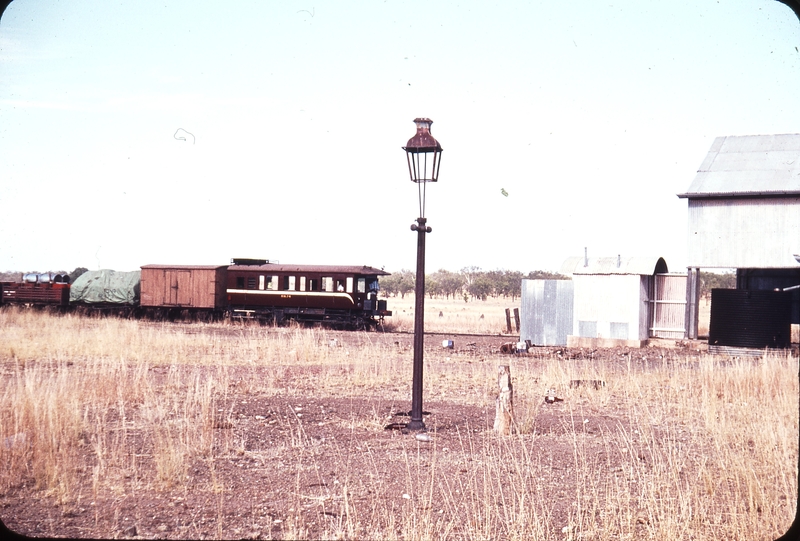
{"points": [[468, 283], [474, 283]]}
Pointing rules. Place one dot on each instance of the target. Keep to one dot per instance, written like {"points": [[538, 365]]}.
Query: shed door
{"points": [[668, 306], [179, 292]]}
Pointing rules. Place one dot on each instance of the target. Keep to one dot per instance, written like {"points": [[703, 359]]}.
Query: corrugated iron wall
{"points": [[546, 311], [744, 233], [669, 306]]}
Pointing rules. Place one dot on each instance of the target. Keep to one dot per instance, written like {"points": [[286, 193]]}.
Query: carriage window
{"points": [[288, 283], [327, 283], [261, 282], [349, 287], [302, 283], [313, 284], [272, 283], [240, 282], [362, 285]]}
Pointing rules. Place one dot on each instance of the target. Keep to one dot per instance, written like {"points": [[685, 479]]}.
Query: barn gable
{"points": [[744, 204]]}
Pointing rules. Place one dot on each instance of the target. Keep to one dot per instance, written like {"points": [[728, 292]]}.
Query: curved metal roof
{"points": [[643, 265]]}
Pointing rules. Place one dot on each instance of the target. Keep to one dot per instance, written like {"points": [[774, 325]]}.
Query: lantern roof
{"points": [[423, 141]]}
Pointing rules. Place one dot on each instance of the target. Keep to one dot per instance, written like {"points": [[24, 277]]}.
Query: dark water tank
{"points": [[750, 318]]}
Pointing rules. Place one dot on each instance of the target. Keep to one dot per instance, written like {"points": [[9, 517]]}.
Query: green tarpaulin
{"points": [[106, 286]]}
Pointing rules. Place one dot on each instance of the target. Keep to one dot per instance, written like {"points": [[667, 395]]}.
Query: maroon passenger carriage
{"points": [[345, 296]]}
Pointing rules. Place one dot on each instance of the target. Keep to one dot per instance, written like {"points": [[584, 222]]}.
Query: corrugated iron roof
{"points": [[642, 265], [749, 166]]}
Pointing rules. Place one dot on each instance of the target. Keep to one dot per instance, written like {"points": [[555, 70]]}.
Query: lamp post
{"points": [[424, 154]]}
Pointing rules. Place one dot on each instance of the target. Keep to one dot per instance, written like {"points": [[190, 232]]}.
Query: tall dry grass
{"points": [[453, 315], [690, 449]]}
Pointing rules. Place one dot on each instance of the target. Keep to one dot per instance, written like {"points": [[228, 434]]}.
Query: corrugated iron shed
{"points": [[615, 298], [751, 165]]}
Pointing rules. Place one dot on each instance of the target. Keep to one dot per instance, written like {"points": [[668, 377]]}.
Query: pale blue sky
{"points": [[591, 116]]}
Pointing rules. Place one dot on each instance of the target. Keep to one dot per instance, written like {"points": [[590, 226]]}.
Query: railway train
{"points": [[330, 295]]}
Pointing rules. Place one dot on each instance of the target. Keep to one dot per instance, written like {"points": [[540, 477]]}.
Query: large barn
{"points": [[744, 213]]}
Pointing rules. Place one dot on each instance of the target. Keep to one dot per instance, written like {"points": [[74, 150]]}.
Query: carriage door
{"points": [[178, 292]]}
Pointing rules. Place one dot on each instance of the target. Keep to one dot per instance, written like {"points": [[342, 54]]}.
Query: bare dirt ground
{"points": [[297, 466]]}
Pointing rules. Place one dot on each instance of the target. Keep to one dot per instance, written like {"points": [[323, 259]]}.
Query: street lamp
{"points": [[424, 154]]}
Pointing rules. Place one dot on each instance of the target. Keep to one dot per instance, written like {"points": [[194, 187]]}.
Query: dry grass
{"points": [[454, 315], [698, 448]]}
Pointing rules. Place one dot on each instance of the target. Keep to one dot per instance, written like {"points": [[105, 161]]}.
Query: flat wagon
{"points": [[47, 289]]}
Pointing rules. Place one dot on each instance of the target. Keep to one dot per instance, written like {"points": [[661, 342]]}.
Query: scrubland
{"points": [[116, 428]]}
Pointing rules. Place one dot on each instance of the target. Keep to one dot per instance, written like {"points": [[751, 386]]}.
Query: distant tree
{"points": [[389, 284], [469, 274], [75, 273], [716, 280], [408, 282], [469, 282], [432, 286], [481, 287], [546, 275], [509, 284], [10, 276], [447, 283]]}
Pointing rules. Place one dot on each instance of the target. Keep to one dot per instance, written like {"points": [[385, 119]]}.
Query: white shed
{"points": [[613, 299]]}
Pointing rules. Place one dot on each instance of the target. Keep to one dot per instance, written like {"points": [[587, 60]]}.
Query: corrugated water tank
{"points": [[750, 318]]}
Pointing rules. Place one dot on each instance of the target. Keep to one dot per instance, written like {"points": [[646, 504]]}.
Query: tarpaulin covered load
{"points": [[106, 286]]}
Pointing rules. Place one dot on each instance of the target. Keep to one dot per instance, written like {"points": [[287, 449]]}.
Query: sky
{"points": [[136, 133]]}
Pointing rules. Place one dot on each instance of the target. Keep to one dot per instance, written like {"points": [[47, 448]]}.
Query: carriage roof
{"points": [[330, 269]]}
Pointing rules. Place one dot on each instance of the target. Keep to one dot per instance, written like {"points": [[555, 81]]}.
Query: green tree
{"points": [[398, 283], [509, 284], [546, 275], [75, 273], [481, 287], [448, 283], [432, 286], [716, 280]]}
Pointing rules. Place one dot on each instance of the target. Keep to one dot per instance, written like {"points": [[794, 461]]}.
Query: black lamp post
{"points": [[424, 155]]}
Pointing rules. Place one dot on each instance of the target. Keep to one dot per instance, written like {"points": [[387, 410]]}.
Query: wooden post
{"points": [[516, 318], [504, 405], [508, 320]]}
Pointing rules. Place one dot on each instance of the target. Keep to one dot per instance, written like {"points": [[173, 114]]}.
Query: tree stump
{"points": [[504, 405]]}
